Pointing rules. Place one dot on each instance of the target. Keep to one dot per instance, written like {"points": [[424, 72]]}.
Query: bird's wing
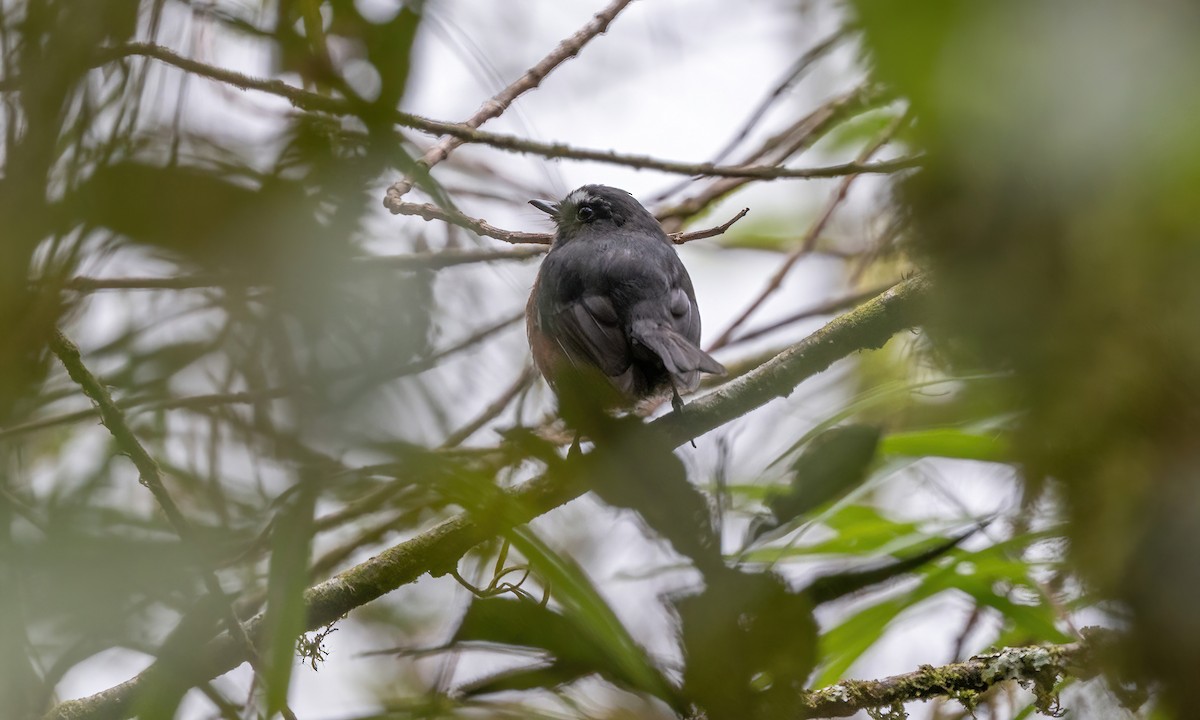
{"points": [[685, 315], [591, 332]]}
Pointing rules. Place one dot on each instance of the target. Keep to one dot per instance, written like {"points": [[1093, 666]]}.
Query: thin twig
{"points": [[826, 308], [429, 211], [146, 405], [680, 238], [149, 475], [791, 77], [335, 106], [491, 411], [416, 261], [795, 139], [809, 241], [500, 102]]}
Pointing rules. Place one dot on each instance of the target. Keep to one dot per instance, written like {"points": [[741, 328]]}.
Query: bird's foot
{"points": [[677, 407]]}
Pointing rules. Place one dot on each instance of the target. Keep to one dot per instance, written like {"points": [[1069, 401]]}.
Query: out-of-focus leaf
{"points": [[537, 678], [990, 575], [523, 622], [291, 540], [175, 655], [948, 443], [632, 467], [858, 131], [848, 640], [587, 611], [878, 396], [197, 215], [831, 587], [861, 531], [749, 646], [832, 465], [985, 575]]}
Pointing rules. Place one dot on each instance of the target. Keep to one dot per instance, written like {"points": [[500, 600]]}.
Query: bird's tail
{"points": [[682, 359]]}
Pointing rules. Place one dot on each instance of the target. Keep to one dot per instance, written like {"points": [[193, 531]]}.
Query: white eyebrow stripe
{"points": [[578, 197]]}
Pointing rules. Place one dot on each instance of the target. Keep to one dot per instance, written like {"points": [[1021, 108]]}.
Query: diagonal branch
{"points": [[868, 326], [533, 77], [150, 476], [809, 240], [113, 418], [797, 138]]}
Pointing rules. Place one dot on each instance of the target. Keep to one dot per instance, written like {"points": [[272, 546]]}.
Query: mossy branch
{"points": [[866, 327], [1037, 667]]}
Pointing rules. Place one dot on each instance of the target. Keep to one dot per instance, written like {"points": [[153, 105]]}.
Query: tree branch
{"points": [[809, 240], [868, 326], [1039, 666], [414, 261], [336, 106], [429, 211], [533, 77], [774, 151], [150, 476]]}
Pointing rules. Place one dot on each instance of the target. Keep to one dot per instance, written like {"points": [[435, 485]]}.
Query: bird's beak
{"points": [[550, 208]]}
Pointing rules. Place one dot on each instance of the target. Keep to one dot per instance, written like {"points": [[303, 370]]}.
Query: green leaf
{"points": [[949, 443], [860, 531], [291, 540], [750, 644], [544, 677], [831, 587], [833, 464], [858, 131], [847, 641], [587, 611], [990, 574], [877, 396], [523, 622]]}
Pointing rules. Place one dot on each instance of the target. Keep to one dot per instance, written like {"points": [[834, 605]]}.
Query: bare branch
{"points": [[825, 308], [681, 238], [112, 417], [533, 77], [646, 162], [809, 241], [797, 138], [335, 106], [429, 211]]}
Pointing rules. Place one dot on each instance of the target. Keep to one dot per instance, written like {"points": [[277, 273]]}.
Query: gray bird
{"points": [[612, 295]]}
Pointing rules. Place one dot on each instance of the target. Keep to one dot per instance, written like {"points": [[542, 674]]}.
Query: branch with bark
{"points": [[1037, 667], [866, 327]]}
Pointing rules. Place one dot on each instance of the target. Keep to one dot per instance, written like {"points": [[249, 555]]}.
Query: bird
{"points": [[612, 297]]}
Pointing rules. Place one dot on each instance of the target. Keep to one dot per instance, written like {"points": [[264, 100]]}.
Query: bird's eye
{"points": [[585, 214]]}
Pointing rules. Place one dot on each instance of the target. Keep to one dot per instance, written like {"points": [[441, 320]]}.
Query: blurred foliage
{"points": [[221, 263], [1056, 211]]}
